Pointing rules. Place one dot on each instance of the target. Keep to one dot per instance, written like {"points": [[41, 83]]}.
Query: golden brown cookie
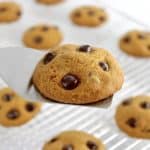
{"points": [[78, 74], [14, 110], [42, 37], [89, 16], [48, 2], [9, 12], [136, 43], [74, 140], [133, 116]]}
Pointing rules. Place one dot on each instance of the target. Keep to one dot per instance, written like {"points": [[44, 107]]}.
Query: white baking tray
{"points": [[55, 118]]}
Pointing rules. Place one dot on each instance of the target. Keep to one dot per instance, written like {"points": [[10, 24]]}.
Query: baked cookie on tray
{"points": [[136, 43], [42, 37], [74, 140], [9, 12], [89, 16], [133, 116], [14, 110], [48, 2], [78, 74]]}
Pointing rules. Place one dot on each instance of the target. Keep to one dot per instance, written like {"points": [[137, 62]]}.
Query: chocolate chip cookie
{"points": [[89, 16], [133, 116], [9, 12], [74, 140], [42, 37], [78, 74], [48, 2], [14, 110], [136, 43]]}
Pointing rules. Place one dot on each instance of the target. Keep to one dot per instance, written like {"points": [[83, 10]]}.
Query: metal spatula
{"points": [[16, 68]]}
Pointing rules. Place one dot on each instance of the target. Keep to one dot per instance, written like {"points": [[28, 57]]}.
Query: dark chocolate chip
{"points": [[68, 147], [30, 107], [85, 48], [3, 9], [7, 97], [48, 58], [13, 114], [77, 14], [38, 39], [102, 18], [53, 140], [126, 39], [140, 36], [126, 102], [91, 145], [104, 66], [91, 12], [145, 105], [19, 13], [132, 122], [45, 28], [70, 81], [148, 47]]}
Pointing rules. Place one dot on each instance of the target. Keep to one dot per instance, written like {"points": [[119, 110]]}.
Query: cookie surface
{"points": [[133, 116], [42, 37], [74, 140], [77, 74], [14, 110], [136, 43], [48, 2], [89, 16], [9, 12]]}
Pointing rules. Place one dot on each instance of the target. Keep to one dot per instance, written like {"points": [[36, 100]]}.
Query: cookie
{"points": [[78, 74], [42, 37], [14, 110], [136, 43], [9, 12], [48, 2], [133, 116], [74, 140], [89, 16]]}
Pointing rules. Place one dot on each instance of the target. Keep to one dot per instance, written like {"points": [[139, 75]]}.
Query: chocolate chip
{"points": [[91, 12], [140, 36], [102, 18], [85, 48], [3, 9], [104, 66], [132, 122], [53, 140], [68, 147], [70, 81], [91, 145], [45, 28], [30, 107], [38, 39], [19, 13], [126, 39], [48, 58], [13, 114], [7, 97], [126, 102], [145, 105], [77, 14], [148, 47]]}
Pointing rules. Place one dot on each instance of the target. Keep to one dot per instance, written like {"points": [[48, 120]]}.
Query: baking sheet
{"points": [[55, 118]]}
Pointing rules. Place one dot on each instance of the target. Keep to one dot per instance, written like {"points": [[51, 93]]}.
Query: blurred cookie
{"points": [[133, 116], [136, 43], [89, 16], [78, 74], [42, 37], [48, 2], [9, 11], [74, 140], [14, 110]]}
